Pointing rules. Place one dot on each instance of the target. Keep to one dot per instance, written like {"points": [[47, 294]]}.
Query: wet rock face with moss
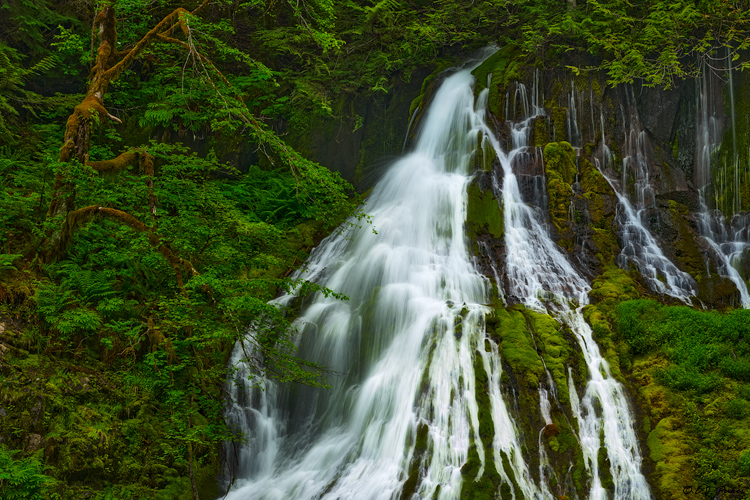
{"points": [[572, 157], [484, 224]]}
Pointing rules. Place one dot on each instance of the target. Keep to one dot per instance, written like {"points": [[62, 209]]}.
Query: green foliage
{"points": [[24, 187], [737, 409], [22, 479], [701, 345], [13, 96], [113, 304]]}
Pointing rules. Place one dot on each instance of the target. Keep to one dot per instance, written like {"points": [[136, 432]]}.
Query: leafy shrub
{"points": [[686, 379], [737, 409], [22, 478], [695, 341], [738, 369]]}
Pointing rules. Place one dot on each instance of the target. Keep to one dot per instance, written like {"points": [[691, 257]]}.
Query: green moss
{"points": [[554, 349], [517, 347], [559, 161], [559, 123], [483, 214], [539, 132], [607, 291], [612, 287], [484, 155], [669, 448], [592, 181], [560, 170], [505, 67]]}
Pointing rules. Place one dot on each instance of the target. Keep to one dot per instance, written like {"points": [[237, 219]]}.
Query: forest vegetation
{"points": [[152, 202]]}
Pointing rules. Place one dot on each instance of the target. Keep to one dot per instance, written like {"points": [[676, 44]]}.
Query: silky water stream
{"points": [[402, 414]]}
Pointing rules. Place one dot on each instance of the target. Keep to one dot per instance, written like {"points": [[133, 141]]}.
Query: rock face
{"points": [[590, 142], [600, 158]]}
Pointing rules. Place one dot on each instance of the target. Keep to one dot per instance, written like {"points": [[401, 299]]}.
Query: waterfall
{"points": [[540, 276], [402, 414], [407, 348], [639, 246], [728, 239]]}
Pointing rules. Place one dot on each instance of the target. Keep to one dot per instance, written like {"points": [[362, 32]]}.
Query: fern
{"points": [[22, 478], [381, 10]]}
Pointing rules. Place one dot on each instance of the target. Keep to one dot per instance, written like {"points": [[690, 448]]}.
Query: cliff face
{"points": [[592, 145], [645, 190]]}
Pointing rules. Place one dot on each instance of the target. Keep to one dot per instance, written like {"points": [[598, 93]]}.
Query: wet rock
{"points": [[34, 443], [687, 198]]}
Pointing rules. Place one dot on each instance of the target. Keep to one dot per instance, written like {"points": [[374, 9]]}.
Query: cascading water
{"points": [[639, 247], [728, 239], [402, 414], [540, 276]]}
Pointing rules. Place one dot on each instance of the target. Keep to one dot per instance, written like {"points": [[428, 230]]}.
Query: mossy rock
{"points": [[554, 349], [669, 447], [559, 161], [685, 245], [485, 486], [592, 181], [483, 214], [517, 346], [559, 123], [612, 287], [560, 170], [505, 66]]}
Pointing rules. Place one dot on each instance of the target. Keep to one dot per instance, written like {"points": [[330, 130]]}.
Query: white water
{"points": [[541, 277], [403, 363]]}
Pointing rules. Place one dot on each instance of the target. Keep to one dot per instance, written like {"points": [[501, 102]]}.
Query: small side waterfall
{"points": [[540, 276], [728, 239], [636, 198]]}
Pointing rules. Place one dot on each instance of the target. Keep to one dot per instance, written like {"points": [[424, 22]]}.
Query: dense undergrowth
{"points": [[693, 369], [112, 372]]}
